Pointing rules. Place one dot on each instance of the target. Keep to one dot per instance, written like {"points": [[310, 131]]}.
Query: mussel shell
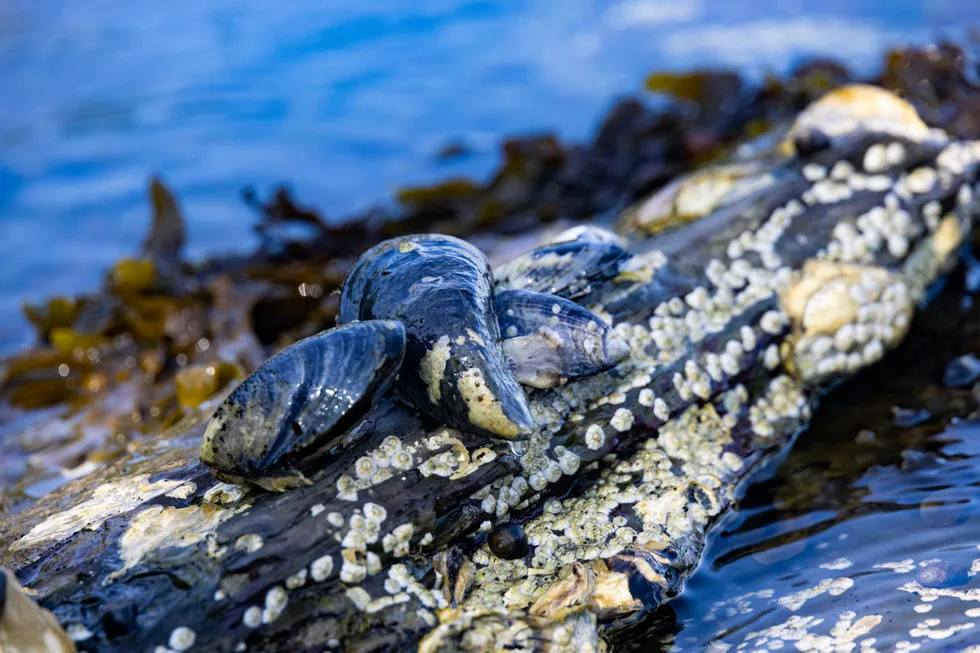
{"points": [[587, 233], [549, 339], [300, 399], [441, 288], [569, 269]]}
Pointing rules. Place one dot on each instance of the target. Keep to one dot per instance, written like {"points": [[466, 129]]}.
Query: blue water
{"points": [[345, 101]]}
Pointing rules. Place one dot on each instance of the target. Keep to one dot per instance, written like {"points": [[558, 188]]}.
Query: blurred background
{"points": [[345, 103]]}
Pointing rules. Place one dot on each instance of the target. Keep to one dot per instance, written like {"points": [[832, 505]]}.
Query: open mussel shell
{"points": [[299, 400], [570, 269], [441, 289], [549, 340]]}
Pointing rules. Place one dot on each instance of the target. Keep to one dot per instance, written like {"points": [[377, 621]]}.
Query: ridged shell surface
{"points": [[441, 288], [569, 269], [299, 399]]}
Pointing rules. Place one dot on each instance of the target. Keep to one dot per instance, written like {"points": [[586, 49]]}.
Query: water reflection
{"points": [[346, 104]]}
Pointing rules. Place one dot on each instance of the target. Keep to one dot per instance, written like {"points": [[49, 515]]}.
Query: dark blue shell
{"points": [[549, 339], [570, 269], [441, 289], [300, 399]]}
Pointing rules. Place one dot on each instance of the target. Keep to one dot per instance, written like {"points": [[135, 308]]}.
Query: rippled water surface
{"points": [[867, 534], [344, 101]]}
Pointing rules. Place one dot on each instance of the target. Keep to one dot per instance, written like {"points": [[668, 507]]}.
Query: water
{"points": [[829, 542], [344, 104]]}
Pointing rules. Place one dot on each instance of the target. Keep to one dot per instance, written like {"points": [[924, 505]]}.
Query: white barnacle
{"points": [[335, 519], [375, 513], [317, 509], [771, 357], [249, 543], [489, 504], [365, 467], [895, 154], [181, 639], [536, 480], [275, 602], [359, 597], [841, 170], [921, 180], [660, 409], [898, 246], [552, 471], [352, 572], [397, 542], [357, 522], [297, 580], [878, 183], [622, 419], [252, 618], [321, 568], [772, 322], [729, 364], [875, 160], [402, 460], [645, 398], [346, 489], [748, 338], [392, 586], [569, 463], [814, 172], [964, 195], [595, 437]]}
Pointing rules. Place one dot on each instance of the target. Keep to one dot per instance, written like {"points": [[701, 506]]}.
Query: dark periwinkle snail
{"points": [[454, 371], [508, 541]]}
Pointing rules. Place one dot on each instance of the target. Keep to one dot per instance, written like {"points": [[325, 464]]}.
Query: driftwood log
{"points": [[804, 267]]}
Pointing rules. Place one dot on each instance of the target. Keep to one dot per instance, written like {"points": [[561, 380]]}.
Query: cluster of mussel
{"points": [[421, 316]]}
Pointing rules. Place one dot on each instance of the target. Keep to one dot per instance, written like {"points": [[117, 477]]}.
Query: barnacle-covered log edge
{"points": [[349, 568]]}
